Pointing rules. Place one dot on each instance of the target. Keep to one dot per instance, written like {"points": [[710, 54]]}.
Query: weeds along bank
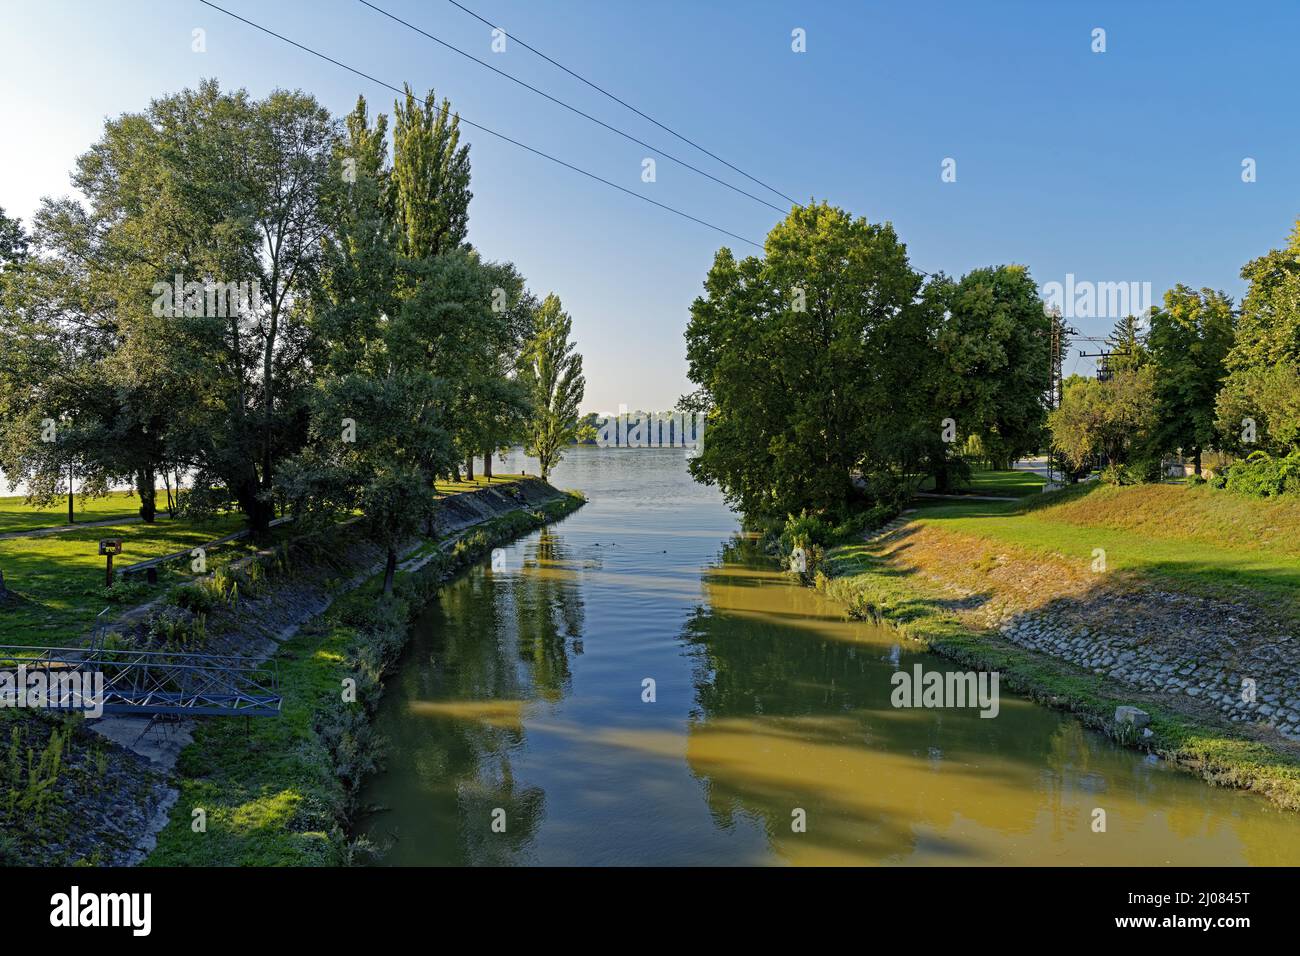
{"points": [[1178, 601], [283, 791], [265, 790]]}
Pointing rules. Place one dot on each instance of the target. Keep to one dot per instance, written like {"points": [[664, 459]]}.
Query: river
{"points": [[520, 734]]}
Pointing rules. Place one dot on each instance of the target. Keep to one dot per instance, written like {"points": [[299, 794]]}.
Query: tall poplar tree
{"points": [[552, 369]]}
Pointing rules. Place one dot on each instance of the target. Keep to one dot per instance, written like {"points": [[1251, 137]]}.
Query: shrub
{"points": [[178, 628], [197, 597], [1118, 475], [868, 520], [1262, 475], [30, 778], [805, 531], [123, 591]]}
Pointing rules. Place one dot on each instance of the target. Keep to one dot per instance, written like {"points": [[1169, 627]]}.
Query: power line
{"points": [[492, 132], [570, 107], [629, 106]]}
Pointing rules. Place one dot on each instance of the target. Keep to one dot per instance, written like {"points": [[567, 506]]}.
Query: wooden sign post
{"points": [[109, 547]]}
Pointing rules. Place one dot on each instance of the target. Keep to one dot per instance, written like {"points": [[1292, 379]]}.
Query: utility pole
{"points": [[1104, 373]]}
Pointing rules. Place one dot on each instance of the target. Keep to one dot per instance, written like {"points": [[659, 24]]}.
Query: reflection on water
{"points": [[521, 692]]}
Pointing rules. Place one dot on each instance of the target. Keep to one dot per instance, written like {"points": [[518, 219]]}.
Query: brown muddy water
{"points": [[519, 734]]}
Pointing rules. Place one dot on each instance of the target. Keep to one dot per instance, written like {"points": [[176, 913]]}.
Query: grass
{"points": [[1188, 537], [457, 487], [274, 794], [16, 515], [267, 788], [1008, 484], [58, 580]]}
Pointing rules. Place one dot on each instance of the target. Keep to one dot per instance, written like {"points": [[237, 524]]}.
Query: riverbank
{"points": [[282, 792], [1178, 600], [99, 791]]}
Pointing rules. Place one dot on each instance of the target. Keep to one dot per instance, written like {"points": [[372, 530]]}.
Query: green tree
{"points": [[464, 320], [13, 240], [811, 364], [215, 188], [76, 404], [995, 361], [1264, 362], [1106, 422], [1127, 343], [1188, 343], [430, 177], [552, 370]]}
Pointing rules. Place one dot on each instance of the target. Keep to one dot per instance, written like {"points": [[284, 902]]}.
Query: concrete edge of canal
{"points": [[468, 525]]}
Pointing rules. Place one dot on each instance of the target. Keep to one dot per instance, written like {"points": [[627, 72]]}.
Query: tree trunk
{"points": [[487, 463], [1196, 463], [256, 510], [469, 467], [144, 487], [942, 481], [455, 472], [390, 570]]}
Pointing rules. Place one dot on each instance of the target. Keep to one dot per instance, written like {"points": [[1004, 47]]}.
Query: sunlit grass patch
{"points": [[57, 579], [17, 515]]}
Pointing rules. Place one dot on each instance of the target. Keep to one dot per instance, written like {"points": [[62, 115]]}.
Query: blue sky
{"points": [[1117, 167]]}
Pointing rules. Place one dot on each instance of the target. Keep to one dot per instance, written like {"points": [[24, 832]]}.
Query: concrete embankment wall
{"points": [[265, 621]]}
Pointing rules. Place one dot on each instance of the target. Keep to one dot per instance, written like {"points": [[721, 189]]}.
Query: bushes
{"points": [[122, 592], [813, 531], [805, 531], [345, 725], [178, 629], [813, 534], [1261, 475], [197, 598], [30, 778], [1119, 475]]}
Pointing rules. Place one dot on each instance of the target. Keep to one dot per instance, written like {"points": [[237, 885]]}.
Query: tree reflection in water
{"points": [[492, 644]]}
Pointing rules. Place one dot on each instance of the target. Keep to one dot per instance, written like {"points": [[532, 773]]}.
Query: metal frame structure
{"points": [[158, 682]]}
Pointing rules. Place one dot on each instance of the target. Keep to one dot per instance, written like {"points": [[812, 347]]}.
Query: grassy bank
{"points": [[1188, 537], [57, 581], [957, 568], [282, 791]]}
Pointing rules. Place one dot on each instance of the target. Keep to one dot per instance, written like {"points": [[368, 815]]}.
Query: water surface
{"points": [[520, 698]]}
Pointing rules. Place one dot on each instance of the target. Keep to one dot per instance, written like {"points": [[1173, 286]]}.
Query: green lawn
{"points": [[16, 515], [1189, 536], [57, 578], [457, 487], [1010, 484]]}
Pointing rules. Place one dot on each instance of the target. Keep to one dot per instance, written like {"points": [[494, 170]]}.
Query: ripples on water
{"points": [[521, 691]]}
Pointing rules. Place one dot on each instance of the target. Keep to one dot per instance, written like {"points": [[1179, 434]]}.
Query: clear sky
{"points": [[1117, 166]]}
